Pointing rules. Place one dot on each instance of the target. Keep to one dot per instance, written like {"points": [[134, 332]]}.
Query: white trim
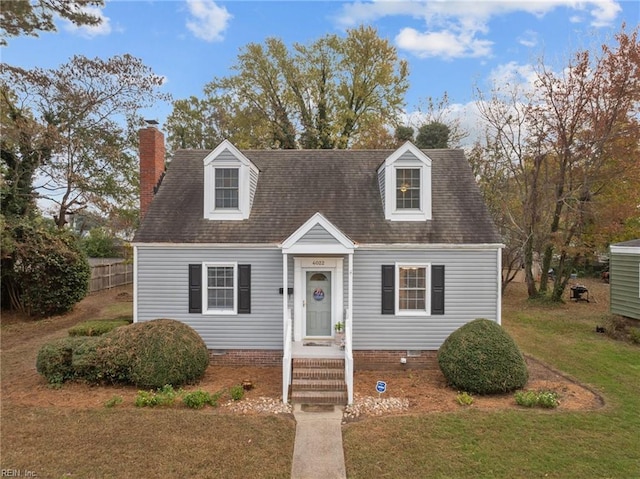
{"points": [[362, 246], [135, 284], [625, 249], [427, 288], [290, 245], [273, 246], [301, 266], [428, 246], [205, 288], [244, 166]]}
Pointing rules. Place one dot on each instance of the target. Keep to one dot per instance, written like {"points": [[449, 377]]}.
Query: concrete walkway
{"points": [[317, 453]]}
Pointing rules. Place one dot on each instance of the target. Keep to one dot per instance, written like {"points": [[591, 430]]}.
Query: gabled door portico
{"points": [[319, 250]]}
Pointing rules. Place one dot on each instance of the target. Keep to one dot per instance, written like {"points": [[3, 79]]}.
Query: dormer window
{"points": [[230, 182], [405, 184], [408, 188], [226, 181]]}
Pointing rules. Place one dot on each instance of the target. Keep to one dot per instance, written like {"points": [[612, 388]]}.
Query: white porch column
{"points": [[285, 290], [350, 287], [286, 332], [348, 359]]}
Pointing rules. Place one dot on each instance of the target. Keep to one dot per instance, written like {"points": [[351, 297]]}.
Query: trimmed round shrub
{"points": [[154, 353], [480, 357]]}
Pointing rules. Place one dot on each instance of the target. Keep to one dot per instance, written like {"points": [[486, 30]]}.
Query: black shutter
{"points": [[437, 289], [388, 289], [244, 288], [195, 288]]}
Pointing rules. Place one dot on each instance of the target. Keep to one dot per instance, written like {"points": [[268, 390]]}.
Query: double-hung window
{"points": [[226, 188], [220, 284], [412, 288], [408, 188]]}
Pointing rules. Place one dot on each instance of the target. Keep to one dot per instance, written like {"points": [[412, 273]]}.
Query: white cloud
{"points": [[529, 38], [447, 44], [604, 13], [87, 31], [513, 73], [208, 21], [456, 28]]}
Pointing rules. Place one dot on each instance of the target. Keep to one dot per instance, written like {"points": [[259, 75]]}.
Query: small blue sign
{"points": [[381, 387]]}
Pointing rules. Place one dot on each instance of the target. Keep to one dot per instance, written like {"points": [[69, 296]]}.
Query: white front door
{"points": [[318, 303]]}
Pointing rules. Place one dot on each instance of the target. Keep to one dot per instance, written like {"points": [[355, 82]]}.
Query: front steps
{"points": [[318, 381]]}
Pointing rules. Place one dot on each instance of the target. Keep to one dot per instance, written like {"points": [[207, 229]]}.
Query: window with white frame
{"points": [[408, 188], [412, 288], [221, 287], [226, 188]]}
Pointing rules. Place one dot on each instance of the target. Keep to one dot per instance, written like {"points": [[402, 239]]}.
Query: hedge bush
{"points": [[480, 357], [55, 359], [97, 327], [154, 353], [148, 355]]}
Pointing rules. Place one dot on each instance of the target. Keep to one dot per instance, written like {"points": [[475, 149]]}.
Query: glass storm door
{"points": [[318, 300]]}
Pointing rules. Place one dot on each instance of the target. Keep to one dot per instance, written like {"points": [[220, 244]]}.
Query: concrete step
{"points": [[319, 397], [318, 385]]}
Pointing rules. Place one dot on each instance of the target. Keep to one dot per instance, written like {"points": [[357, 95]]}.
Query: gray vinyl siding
{"points": [[624, 282], [471, 291], [163, 293], [253, 184], [381, 184], [318, 235], [408, 156], [226, 155]]}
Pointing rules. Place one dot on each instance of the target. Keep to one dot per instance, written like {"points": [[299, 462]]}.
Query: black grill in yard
{"points": [[579, 293]]}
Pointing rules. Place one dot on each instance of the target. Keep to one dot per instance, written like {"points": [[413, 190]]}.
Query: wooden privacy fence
{"points": [[107, 273]]}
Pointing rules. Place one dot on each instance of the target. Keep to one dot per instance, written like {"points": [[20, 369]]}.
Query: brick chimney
{"points": [[151, 165]]}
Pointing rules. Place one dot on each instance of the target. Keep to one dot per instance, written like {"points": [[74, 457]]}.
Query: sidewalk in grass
{"points": [[317, 453]]}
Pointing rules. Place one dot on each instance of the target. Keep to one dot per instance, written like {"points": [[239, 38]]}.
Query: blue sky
{"points": [[450, 45]]}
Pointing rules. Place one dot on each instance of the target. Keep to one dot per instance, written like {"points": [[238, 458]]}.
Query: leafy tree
{"points": [[50, 272], [330, 94], [28, 17], [433, 135], [437, 112], [100, 244], [566, 147], [24, 146], [403, 134], [88, 108]]}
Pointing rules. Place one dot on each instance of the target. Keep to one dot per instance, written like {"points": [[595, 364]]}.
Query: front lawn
{"points": [[522, 443]]}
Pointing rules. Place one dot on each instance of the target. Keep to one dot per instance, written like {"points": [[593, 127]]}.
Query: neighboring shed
{"points": [[624, 278]]}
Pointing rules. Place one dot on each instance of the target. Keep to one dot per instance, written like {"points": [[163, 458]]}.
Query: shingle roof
{"points": [[340, 184]]}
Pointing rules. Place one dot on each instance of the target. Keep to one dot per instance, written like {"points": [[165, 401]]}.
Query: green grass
{"points": [[522, 443], [97, 327], [135, 443]]}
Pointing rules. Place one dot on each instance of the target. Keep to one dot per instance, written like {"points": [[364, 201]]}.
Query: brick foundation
{"points": [[380, 360], [383, 360], [245, 357]]}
